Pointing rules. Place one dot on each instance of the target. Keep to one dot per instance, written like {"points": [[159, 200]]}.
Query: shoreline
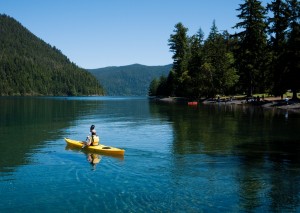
{"points": [[268, 103]]}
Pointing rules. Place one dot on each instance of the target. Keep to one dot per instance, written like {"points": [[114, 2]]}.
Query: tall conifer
{"points": [[195, 62], [220, 60], [293, 47], [278, 25], [178, 43], [252, 46]]}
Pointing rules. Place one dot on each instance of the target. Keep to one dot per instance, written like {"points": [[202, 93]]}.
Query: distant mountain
{"points": [[29, 66], [131, 80]]}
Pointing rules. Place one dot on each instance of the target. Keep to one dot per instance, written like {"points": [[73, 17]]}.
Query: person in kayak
{"points": [[93, 139]]}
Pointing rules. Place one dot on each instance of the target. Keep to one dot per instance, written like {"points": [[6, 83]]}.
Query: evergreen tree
{"points": [[252, 46], [278, 25], [212, 57], [195, 63], [293, 47], [220, 61], [153, 87], [171, 83], [162, 89], [178, 43]]}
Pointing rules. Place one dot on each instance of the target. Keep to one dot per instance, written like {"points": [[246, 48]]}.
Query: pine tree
{"points": [[213, 57], [278, 25], [252, 46], [153, 87], [195, 63], [293, 47], [178, 43], [220, 60]]}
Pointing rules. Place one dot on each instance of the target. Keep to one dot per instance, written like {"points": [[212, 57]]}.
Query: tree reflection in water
{"points": [[263, 143]]}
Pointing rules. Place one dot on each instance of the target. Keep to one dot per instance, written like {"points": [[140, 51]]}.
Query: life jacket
{"points": [[95, 140]]}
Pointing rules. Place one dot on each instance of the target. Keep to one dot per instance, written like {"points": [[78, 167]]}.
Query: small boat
{"points": [[99, 148], [89, 152], [192, 103]]}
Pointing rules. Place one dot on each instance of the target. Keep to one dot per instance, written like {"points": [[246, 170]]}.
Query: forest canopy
{"points": [[29, 66], [263, 56]]}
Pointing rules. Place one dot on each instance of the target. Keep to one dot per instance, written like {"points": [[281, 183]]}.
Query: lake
{"points": [[209, 158]]}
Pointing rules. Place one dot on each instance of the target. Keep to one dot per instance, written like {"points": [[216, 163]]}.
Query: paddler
{"points": [[93, 139]]}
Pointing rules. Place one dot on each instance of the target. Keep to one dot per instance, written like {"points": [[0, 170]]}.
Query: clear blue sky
{"points": [[100, 33]]}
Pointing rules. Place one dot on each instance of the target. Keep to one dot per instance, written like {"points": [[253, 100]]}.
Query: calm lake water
{"points": [[177, 159]]}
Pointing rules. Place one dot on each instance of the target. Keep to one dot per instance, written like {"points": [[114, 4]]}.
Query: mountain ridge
{"points": [[128, 65], [129, 80], [30, 66]]}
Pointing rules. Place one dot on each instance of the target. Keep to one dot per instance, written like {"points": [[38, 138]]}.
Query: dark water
{"points": [[177, 159]]}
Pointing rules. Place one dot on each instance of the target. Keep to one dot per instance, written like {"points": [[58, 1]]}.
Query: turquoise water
{"points": [[177, 158]]}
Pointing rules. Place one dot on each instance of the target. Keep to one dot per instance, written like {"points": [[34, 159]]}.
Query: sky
{"points": [[101, 33]]}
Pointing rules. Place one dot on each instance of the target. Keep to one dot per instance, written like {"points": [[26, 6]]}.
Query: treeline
{"points": [[29, 66], [262, 57]]}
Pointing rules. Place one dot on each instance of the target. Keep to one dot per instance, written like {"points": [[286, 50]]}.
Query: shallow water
{"points": [[177, 158]]}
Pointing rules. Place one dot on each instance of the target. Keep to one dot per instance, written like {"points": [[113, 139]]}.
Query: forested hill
{"points": [[132, 80], [29, 66]]}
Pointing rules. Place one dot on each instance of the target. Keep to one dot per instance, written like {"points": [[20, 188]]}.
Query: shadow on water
{"points": [[264, 144], [27, 123], [270, 167]]}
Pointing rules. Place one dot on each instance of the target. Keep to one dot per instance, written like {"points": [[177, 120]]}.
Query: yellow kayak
{"points": [[99, 148]]}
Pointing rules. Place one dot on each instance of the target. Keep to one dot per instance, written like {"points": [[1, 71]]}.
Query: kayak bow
{"points": [[99, 148]]}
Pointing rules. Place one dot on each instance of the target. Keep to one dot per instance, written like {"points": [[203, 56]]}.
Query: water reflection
{"points": [[228, 128], [271, 173], [263, 144], [92, 157], [205, 158], [26, 124]]}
